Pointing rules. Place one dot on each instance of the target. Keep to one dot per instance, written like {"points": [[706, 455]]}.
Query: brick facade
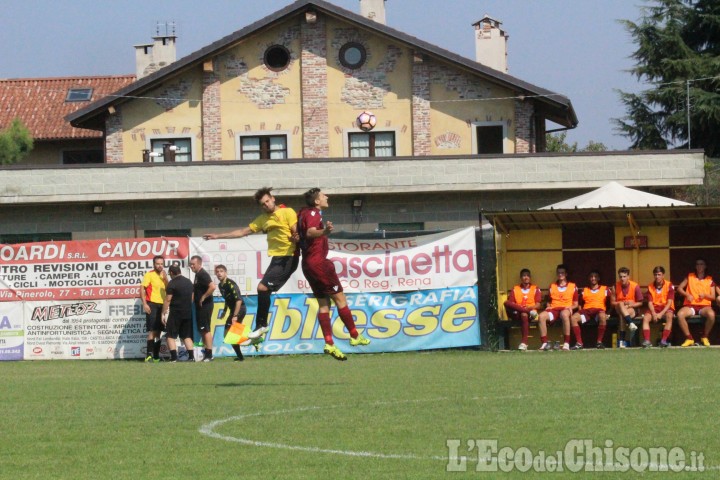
{"points": [[113, 137], [211, 112], [314, 84], [524, 135], [421, 107]]}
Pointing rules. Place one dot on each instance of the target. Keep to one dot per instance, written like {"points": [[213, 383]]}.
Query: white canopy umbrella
{"points": [[615, 195]]}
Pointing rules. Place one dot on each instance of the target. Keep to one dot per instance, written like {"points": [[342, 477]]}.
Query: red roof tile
{"points": [[40, 103]]}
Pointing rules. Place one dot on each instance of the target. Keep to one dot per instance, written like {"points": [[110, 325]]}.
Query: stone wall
{"points": [[211, 111], [314, 89]]}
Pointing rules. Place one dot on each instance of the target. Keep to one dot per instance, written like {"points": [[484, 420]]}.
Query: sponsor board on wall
{"points": [[426, 262], [86, 269], [84, 329], [11, 331], [406, 294], [394, 322]]}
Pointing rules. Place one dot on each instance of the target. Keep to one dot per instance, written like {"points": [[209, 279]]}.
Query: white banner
{"points": [[84, 329], [426, 262], [11, 331]]}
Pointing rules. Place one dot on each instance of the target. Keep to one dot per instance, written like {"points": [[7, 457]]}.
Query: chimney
{"points": [[373, 9], [491, 44], [151, 57]]}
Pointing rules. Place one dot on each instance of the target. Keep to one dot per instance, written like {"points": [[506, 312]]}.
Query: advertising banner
{"points": [[11, 331], [84, 329], [86, 269], [394, 322], [80, 299], [425, 262]]}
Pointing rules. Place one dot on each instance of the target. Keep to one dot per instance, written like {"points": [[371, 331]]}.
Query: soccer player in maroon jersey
{"points": [[320, 272]]}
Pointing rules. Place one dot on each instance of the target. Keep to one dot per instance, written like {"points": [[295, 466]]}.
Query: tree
{"points": [[15, 142], [678, 53], [557, 143]]}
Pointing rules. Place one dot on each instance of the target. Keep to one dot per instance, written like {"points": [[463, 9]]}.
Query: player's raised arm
{"points": [[239, 233]]}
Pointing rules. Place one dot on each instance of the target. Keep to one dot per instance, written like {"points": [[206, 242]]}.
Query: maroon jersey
{"points": [[313, 249]]}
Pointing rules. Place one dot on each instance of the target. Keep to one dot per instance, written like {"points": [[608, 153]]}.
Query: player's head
{"points": [[316, 198], [221, 272], [158, 263], [174, 270], [658, 273], [196, 263], [594, 277], [700, 265], [624, 275], [561, 271], [265, 199], [525, 276]]}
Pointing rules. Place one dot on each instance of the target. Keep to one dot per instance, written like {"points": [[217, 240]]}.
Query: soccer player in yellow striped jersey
{"points": [[280, 224]]}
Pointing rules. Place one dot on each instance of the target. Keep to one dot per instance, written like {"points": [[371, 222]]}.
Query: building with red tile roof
{"points": [[42, 104]]}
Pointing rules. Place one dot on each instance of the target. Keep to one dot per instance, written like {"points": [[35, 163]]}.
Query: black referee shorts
{"points": [[179, 325], [153, 320]]}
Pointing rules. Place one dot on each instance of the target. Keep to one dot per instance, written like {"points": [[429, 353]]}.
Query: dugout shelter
{"points": [[605, 239]]}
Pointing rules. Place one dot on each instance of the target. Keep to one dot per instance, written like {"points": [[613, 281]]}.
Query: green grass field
{"points": [[374, 416]]}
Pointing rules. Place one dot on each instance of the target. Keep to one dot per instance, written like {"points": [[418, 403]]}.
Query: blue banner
{"points": [[394, 322]]}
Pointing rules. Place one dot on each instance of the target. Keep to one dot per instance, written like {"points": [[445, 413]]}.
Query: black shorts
{"points": [[203, 315], [241, 315], [179, 325], [279, 271], [153, 320]]}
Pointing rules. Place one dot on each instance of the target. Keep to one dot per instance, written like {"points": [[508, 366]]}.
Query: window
{"points": [[79, 95], [263, 147], [70, 157], [183, 153], [372, 144], [35, 237], [177, 232], [277, 58], [490, 139], [352, 55]]}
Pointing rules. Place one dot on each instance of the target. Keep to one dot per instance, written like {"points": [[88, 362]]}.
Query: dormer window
{"points": [[79, 94]]}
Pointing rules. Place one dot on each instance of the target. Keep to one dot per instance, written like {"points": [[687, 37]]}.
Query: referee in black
{"points": [[177, 313], [233, 304]]}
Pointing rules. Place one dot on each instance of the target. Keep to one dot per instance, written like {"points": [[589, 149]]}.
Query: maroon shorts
{"points": [[590, 314], [555, 313], [658, 309], [322, 277], [696, 308]]}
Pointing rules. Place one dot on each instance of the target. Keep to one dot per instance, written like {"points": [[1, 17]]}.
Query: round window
{"points": [[352, 55], [277, 58]]}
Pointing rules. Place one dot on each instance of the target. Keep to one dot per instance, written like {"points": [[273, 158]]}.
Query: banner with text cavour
{"points": [[410, 293], [86, 269]]}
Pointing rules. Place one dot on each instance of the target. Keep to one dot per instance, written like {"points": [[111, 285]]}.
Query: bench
{"points": [[509, 329], [510, 332]]}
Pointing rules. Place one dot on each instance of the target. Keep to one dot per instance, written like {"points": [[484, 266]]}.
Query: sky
{"points": [[574, 47]]}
